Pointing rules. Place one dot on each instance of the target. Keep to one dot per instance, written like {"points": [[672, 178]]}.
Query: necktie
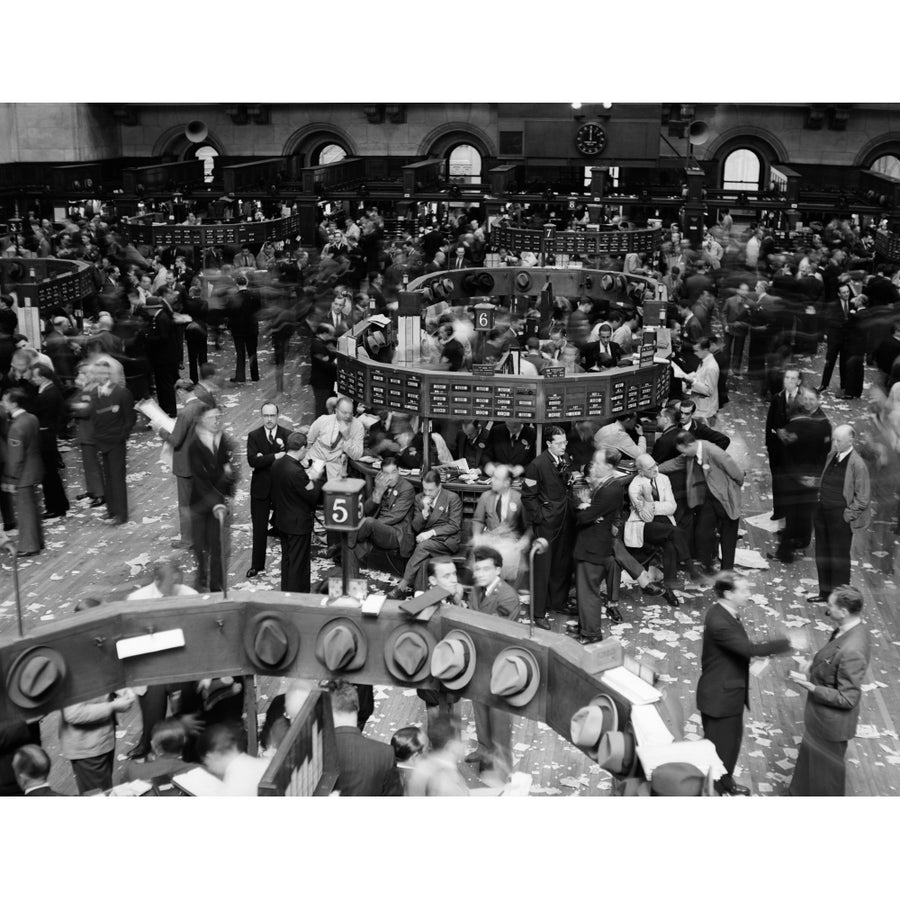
{"points": [[653, 489], [336, 441], [271, 437], [500, 509], [834, 634]]}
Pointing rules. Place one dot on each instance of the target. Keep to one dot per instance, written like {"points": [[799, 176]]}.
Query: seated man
{"points": [[499, 522], [652, 521], [387, 521], [437, 523], [31, 767], [615, 436], [603, 353], [471, 444]]}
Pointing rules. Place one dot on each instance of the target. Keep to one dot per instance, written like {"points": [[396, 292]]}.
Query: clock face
{"points": [[590, 139]]}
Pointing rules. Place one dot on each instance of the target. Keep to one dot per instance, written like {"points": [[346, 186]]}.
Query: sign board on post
{"points": [[648, 347], [343, 503], [484, 316]]}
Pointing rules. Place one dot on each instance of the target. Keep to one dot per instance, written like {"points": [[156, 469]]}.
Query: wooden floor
{"points": [[84, 557]]}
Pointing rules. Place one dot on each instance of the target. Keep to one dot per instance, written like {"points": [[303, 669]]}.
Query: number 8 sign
{"points": [[343, 503]]}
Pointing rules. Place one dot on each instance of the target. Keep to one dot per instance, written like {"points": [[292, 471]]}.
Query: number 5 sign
{"points": [[343, 503]]}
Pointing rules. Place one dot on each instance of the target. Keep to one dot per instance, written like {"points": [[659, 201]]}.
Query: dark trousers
{"points": [[589, 577], [726, 734], [55, 501], [493, 728], [153, 710], [295, 554], [798, 520], [165, 374], [854, 374], [708, 519], [7, 510], [259, 516], [28, 517], [662, 533], [836, 348], [365, 693], [734, 347], [821, 769], [93, 479], [184, 507], [780, 482], [553, 573], [206, 534], [280, 342], [321, 396], [833, 539], [94, 773], [115, 491], [372, 533], [197, 352], [414, 573], [245, 349]]}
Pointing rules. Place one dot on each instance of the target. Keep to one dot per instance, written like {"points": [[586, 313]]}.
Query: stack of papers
{"points": [[701, 754], [630, 686], [648, 726]]}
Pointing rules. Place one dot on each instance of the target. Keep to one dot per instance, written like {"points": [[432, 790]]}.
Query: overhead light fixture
{"points": [[576, 106], [607, 105]]}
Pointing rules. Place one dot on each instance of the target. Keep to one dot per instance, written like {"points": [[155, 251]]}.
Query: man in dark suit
{"points": [[295, 493], [781, 408], [163, 341], [337, 315], [546, 500], [13, 736], [31, 766], [265, 445], [701, 431], [387, 523], [50, 411], [243, 306], [834, 681], [437, 522], [23, 471], [214, 477], [722, 691], [837, 318], [112, 417], [366, 767], [600, 506], [471, 444], [512, 444]]}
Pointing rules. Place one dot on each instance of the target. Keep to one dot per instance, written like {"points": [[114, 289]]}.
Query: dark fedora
{"points": [[677, 779], [607, 282], [485, 282], [271, 641], [515, 676], [407, 651], [453, 660], [621, 283], [523, 282], [469, 282], [591, 722], [34, 677], [615, 752], [341, 646]]}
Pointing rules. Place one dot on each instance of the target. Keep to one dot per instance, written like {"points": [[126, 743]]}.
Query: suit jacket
{"points": [[112, 416], [45, 791], [50, 408], [445, 518], [500, 600], [367, 767], [545, 495], [594, 541], [12, 736], [210, 482], [725, 662], [779, 415], [723, 476], [22, 466], [474, 451], [502, 449], [261, 456], [664, 446], [837, 671], [856, 490], [486, 513], [294, 496], [180, 437], [395, 511], [806, 456]]}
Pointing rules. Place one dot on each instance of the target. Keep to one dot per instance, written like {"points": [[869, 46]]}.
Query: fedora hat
{"points": [[485, 282], [34, 677], [453, 660], [469, 282], [621, 282], [636, 290], [607, 282], [591, 722], [271, 642], [341, 646], [615, 752], [515, 676], [523, 282], [448, 286], [677, 779], [406, 652]]}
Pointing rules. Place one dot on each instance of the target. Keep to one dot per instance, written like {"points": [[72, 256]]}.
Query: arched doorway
{"points": [[888, 165], [741, 171], [464, 164]]}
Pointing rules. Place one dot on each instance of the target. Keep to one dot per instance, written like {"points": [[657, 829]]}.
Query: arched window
{"points": [[886, 165], [464, 164], [741, 171], [331, 153], [208, 155]]}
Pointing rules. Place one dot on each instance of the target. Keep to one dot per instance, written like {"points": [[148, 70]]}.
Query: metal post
{"points": [[10, 546], [250, 714], [220, 511], [541, 545], [345, 563]]}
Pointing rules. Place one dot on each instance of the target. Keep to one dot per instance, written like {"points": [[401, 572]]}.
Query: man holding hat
{"points": [[295, 492]]}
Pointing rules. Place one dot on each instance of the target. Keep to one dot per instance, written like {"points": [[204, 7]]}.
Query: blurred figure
{"points": [[31, 766], [243, 307], [80, 405], [23, 471], [219, 748], [50, 411], [167, 742], [436, 773], [408, 745]]}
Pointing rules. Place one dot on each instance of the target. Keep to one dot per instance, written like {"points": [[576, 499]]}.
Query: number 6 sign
{"points": [[343, 503]]}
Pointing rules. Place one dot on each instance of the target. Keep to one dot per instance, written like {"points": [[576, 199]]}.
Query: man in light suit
{"points": [[437, 522], [387, 523], [500, 514], [834, 681], [265, 445], [722, 691], [844, 508], [713, 488], [652, 520], [23, 471]]}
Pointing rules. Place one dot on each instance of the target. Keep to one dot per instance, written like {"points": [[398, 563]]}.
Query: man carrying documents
{"points": [[722, 691]]}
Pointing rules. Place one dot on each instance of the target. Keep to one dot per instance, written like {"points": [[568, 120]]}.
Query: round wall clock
{"points": [[590, 139]]}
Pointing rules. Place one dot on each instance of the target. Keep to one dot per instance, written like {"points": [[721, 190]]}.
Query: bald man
{"points": [[844, 508]]}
